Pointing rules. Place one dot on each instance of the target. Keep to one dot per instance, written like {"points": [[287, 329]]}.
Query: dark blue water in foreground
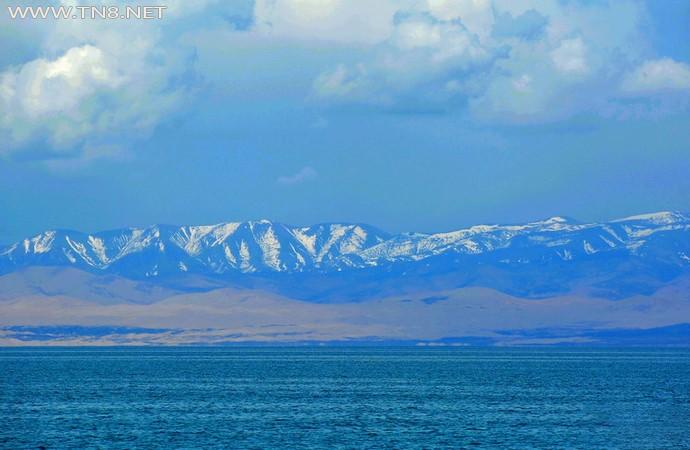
{"points": [[344, 398]]}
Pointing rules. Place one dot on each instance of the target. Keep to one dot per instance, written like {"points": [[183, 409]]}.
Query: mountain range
{"points": [[652, 247], [555, 278]]}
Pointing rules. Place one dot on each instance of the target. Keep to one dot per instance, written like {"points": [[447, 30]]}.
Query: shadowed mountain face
{"points": [[345, 262]]}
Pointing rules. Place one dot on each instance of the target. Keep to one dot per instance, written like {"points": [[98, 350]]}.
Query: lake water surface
{"points": [[344, 398]]}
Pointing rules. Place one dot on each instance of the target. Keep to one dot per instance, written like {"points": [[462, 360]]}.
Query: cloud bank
{"points": [[91, 84]]}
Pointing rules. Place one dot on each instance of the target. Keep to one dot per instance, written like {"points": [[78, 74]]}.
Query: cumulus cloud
{"points": [[435, 58], [502, 60], [345, 82], [83, 94], [339, 21], [42, 87], [529, 25], [657, 76], [49, 93], [476, 15], [570, 56], [304, 174], [496, 57], [94, 85]]}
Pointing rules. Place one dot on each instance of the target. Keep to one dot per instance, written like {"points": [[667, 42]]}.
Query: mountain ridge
{"points": [[264, 246]]}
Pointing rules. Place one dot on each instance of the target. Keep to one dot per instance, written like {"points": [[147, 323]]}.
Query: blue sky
{"points": [[409, 115]]}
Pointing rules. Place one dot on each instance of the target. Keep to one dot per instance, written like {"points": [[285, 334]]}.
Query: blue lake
{"points": [[344, 398]]}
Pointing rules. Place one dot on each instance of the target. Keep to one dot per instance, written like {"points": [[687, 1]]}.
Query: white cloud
{"points": [[655, 76], [522, 83], [448, 54], [574, 64], [304, 174], [444, 40], [92, 82], [43, 87], [340, 82], [404, 44], [476, 15], [340, 21], [421, 53], [93, 85], [571, 56]]}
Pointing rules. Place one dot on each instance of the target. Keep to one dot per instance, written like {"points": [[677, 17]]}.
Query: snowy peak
{"points": [[556, 223], [264, 246], [245, 247], [659, 218]]}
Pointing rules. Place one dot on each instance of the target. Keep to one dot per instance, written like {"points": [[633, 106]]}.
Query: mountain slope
{"points": [[634, 255], [248, 247]]}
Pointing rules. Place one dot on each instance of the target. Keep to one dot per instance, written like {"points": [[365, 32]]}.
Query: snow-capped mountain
{"points": [[248, 247], [265, 247], [553, 238]]}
